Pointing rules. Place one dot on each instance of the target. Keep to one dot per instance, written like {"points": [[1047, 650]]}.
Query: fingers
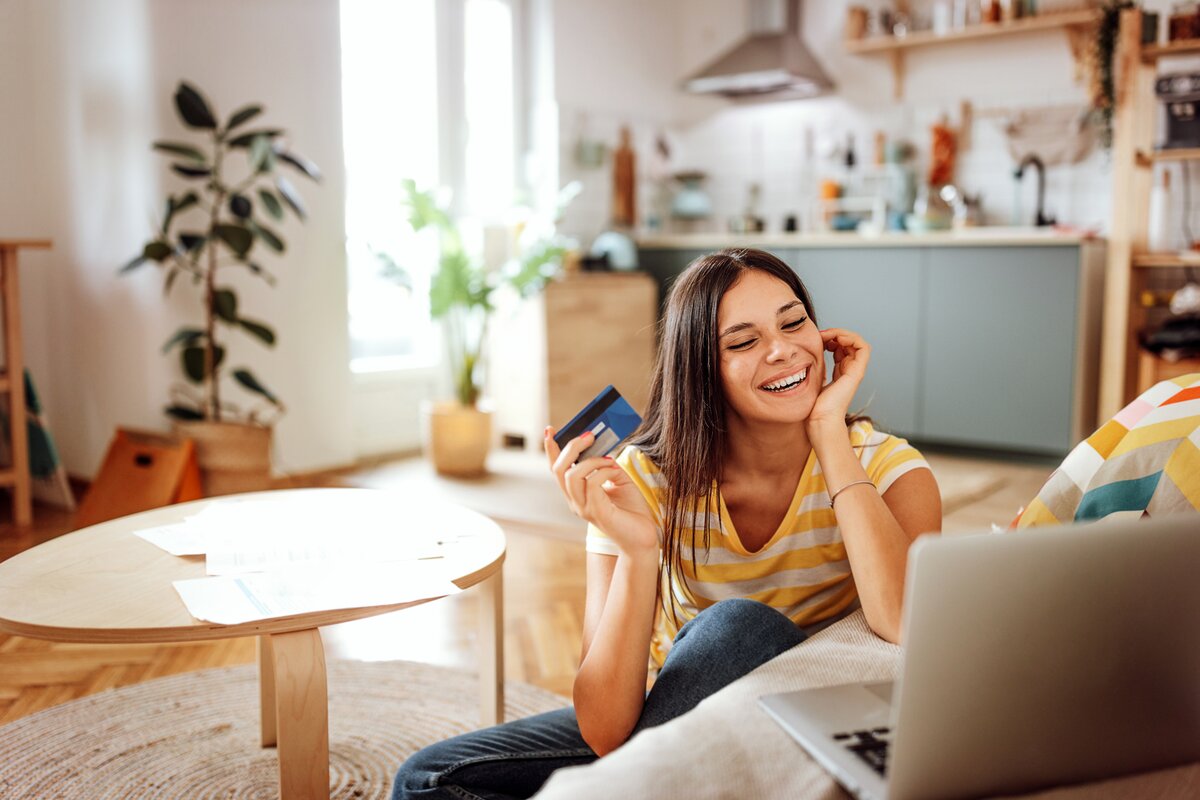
{"points": [[583, 480], [561, 460], [845, 345], [552, 449]]}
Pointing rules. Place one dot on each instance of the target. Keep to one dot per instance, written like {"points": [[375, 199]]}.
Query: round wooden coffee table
{"points": [[104, 584]]}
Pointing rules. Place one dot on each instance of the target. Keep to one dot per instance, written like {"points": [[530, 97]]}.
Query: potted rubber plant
{"points": [[461, 295], [215, 228]]}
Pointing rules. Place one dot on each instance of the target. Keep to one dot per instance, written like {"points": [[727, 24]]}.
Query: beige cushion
{"points": [[728, 747]]}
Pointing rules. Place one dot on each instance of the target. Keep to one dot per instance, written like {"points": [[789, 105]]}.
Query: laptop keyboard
{"points": [[869, 745]]}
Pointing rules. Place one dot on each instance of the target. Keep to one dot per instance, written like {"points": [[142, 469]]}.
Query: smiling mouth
{"points": [[784, 384]]}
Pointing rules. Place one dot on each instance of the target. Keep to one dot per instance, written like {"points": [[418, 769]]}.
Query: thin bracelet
{"points": [[844, 488]]}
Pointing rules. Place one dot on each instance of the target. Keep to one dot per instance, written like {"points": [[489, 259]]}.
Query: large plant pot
{"points": [[234, 457], [456, 438]]}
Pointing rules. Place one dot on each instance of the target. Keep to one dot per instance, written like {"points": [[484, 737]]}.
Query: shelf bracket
{"points": [[1080, 39]]}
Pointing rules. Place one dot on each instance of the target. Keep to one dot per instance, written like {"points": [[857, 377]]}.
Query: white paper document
{"points": [[180, 539], [259, 534], [308, 588], [284, 549]]}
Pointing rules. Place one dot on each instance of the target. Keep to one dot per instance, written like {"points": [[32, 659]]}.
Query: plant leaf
{"points": [[133, 264], [172, 274], [225, 305], [247, 138], [242, 115], [191, 241], [451, 284], [245, 378], [423, 209], [193, 108], [192, 358], [184, 335], [262, 273], [289, 195], [239, 238], [175, 206], [260, 154], [271, 202], [301, 163], [258, 330], [393, 271], [267, 235], [191, 172], [240, 206], [156, 251], [183, 413], [180, 149]]}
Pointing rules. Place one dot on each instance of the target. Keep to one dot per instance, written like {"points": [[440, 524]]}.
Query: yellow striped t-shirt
{"points": [[802, 570]]}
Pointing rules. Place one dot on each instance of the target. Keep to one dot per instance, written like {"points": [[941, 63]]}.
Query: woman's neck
{"points": [[756, 449]]}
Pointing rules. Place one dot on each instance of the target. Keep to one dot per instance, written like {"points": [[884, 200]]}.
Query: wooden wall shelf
{"points": [[1075, 23], [991, 30], [1152, 53], [1164, 261], [1145, 159]]}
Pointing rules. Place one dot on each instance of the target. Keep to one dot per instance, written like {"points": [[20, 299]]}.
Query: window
{"points": [[428, 91]]}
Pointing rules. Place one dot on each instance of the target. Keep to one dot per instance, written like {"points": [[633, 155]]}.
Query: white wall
{"points": [[615, 63], [622, 62], [91, 86], [763, 143]]}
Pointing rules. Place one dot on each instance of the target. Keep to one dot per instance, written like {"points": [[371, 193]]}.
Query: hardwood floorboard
{"points": [[543, 609]]}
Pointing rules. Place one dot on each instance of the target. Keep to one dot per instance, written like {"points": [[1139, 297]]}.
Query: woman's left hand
{"points": [[850, 356]]}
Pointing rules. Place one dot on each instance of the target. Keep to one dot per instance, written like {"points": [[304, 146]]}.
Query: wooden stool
{"points": [[12, 378]]}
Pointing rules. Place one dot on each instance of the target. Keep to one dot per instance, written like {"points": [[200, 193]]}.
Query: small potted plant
{"points": [[461, 294], [214, 229]]}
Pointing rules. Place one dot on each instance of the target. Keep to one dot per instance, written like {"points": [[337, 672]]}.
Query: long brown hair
{"points": [[684, 430]]}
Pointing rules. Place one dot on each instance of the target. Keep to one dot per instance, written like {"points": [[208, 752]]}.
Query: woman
{"points": [[748, 512]]}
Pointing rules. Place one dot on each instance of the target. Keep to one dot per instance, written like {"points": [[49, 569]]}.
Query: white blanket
{"points": [[727, 747]]}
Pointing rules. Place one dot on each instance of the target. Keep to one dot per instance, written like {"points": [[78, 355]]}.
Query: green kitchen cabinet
{"points": [[877, 294], [999, 341]]}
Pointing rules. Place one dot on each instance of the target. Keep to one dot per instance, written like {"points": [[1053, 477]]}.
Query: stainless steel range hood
{"points": [[771, 63]]}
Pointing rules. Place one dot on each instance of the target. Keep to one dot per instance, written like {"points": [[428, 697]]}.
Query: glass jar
{"points": [[1184, 22]]}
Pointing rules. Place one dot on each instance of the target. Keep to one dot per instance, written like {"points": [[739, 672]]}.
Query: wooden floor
{"points": [[543, 607]]}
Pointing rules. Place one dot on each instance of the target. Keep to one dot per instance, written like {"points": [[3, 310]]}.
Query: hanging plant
{"points": [[1103, 83]]}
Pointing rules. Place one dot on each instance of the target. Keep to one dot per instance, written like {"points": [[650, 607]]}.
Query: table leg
{"points": [[491, 644], [266, 690], [301, 714]]}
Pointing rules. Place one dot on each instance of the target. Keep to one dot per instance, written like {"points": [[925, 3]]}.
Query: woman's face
{"points": [[772, 356]]}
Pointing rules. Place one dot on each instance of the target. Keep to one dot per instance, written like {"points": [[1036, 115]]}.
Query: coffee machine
{"points": [[1180, 96]]}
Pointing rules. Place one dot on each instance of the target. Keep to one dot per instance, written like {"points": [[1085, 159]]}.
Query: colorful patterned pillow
{"points": [[1145, 461]]}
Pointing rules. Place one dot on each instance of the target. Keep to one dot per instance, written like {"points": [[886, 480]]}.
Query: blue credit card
{"points": [[609, 417]]}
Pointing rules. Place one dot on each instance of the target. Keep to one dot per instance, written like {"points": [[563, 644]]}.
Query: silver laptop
{"points": [[1031, 659]]}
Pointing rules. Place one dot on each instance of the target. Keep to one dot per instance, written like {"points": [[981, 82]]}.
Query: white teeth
{"points": [[788, 382]]}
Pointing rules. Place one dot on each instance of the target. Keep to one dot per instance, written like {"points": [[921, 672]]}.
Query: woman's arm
{"points": [[610, 686], [877, 530]]}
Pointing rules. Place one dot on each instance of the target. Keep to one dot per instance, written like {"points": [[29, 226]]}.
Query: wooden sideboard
{"points": [[551, 354]]}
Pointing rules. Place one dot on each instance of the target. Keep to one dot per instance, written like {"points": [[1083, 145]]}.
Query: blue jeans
{"points": [[720, 645]]}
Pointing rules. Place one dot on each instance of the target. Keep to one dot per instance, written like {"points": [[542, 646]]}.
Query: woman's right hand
{"points": [[601, 493]]}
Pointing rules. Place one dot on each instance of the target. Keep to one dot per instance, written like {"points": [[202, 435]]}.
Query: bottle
{"points": [[849, 185], [624, 210], [1159, 236]]}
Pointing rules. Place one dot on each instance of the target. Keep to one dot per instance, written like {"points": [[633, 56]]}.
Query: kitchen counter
{"points": [[987, 236]]}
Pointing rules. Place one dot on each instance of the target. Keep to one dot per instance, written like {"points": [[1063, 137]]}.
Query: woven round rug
{"points": [[196, 735]]}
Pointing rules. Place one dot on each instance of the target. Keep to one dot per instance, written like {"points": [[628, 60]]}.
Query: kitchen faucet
{"points": [[1032, 160]]}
